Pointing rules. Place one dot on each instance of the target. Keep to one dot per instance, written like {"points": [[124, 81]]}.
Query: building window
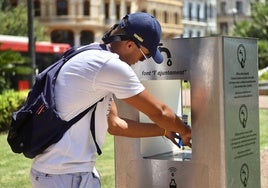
{"points": [[62, 36], [223, 8], [13, 3], [106, 11], [117, 11], [165, 17], [154, 13], [86, 37], [143, 10], [37, 9], [176, 17], [198, 12], [190, 33], [128, 9], [206, 12], [224, 28], [190, 11], [86, 8], [62, 7], [210, 11], [239, 7]]}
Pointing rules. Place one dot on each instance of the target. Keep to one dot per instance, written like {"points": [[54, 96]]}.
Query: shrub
{"points": [[264, 76], [10, 101]]}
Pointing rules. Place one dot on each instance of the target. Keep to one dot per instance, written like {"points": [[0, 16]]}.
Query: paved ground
{"points": [[264, 169], [263, 101]]}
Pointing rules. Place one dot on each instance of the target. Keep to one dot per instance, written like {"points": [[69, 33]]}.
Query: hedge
{"points": [[10, 101]]}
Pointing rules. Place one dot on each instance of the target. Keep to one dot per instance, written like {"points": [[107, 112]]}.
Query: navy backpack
{"points": [[37, 125]]}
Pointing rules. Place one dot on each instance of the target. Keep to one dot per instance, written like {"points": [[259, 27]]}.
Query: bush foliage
{"points": [[264, 76], [10, 101]]}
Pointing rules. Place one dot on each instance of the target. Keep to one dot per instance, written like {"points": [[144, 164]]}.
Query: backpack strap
{"points": [[68, 55], [92, 129], [92, 123], [75, 50], [82, 114]]}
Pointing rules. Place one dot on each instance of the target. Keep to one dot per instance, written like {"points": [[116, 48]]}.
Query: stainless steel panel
{"points": [[216, 159], [241, 112]]}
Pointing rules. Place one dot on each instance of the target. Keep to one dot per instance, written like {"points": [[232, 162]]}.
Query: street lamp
{"points": [[234, 13], [31, 41]]}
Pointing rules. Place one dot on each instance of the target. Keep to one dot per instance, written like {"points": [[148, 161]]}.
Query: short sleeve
{"points": [[119, 78]]}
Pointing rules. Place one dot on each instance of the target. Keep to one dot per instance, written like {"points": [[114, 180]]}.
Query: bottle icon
{"points": [[172, 184]]}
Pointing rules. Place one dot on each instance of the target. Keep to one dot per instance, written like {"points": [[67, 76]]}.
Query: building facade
{"points": [[80, 22], [199, 18], [231, 12]]}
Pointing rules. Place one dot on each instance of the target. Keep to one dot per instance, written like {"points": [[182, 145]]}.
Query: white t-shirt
{"points": [[83, 80]]}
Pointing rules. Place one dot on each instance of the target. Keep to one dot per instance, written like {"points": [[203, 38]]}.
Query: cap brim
{"points": [[158, 58]]}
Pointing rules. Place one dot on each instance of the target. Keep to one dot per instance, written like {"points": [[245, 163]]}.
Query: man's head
{"points": [[141, 28]]}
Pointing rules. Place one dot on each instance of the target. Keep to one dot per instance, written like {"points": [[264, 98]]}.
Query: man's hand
{"points": [[180, 139]]}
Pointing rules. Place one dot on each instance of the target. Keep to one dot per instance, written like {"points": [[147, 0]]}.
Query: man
{"points": [[99, 74]]}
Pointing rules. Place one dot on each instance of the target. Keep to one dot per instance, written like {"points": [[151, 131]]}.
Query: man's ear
{"points": [[130, 44]]}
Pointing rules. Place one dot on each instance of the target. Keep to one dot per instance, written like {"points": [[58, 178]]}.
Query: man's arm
{"points": [[126, 127], [163, 117]]}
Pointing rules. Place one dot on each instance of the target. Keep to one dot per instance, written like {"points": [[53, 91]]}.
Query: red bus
{"points": [[46, 52]]}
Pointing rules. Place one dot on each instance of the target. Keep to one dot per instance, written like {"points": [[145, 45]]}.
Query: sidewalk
{"points": [[263, 101]]}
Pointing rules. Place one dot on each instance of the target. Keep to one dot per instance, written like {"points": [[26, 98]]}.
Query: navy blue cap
{"points": [[145, 30]]}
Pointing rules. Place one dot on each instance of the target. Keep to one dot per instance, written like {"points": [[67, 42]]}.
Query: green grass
{"points": [[264, 128], [14, 169], [264, 76], [105, 163]]}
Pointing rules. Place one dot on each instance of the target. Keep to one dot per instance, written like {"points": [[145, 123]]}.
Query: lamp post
{"points": [[234, 13], [31, 41]]}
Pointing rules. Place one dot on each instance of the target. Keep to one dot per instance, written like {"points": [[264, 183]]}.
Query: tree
{"points": [[257, 27], [14, 22], [11, 65]]}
